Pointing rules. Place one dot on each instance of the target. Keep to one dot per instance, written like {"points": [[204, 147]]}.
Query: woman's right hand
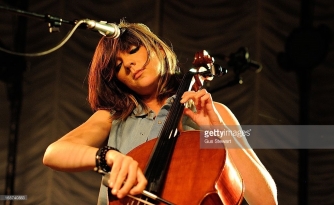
{"points": [[125, 176]]}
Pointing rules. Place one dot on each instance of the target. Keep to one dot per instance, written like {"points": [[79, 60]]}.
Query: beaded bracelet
{"points": [[101, 163]]}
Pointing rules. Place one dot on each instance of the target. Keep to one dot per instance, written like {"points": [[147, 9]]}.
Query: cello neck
{"points": [[162, 152]]}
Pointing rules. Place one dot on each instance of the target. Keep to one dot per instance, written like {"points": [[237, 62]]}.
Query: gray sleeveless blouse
{"points": [[138, 128]]}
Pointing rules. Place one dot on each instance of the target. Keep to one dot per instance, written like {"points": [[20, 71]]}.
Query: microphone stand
{"points": [[11, 73], [13, 77]]}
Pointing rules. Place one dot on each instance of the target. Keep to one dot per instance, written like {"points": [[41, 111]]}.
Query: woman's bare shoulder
{"points": [[227, 115]]}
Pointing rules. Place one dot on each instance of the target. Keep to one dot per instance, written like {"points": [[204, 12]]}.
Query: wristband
{"points": [[101, 163]]}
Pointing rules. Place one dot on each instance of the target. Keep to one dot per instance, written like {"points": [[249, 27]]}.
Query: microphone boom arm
{"points": [[110, 30], [53, 22]]}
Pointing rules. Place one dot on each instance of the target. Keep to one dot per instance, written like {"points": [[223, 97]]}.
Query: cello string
{"points": [[171, 124], [164, 143], [140, 200], [164, 147], [106, 176]]}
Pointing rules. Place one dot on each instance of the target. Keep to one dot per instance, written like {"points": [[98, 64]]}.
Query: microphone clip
{"points": [[104, 28], [240, 62]]}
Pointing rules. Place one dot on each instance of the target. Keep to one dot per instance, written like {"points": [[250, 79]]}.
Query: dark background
{"points": [[54, 86]]}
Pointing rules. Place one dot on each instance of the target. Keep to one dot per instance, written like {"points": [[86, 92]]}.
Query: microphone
{"points": [[104, 28]]}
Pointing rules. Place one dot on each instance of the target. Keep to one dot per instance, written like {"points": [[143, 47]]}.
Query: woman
{"points": [[131, 83]]}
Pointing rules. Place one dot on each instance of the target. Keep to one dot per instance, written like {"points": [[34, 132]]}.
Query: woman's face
{"points": [[132, 71]]}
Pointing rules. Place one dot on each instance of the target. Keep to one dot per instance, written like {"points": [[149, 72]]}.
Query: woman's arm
{"points": [[76, 150], [260, 188]]}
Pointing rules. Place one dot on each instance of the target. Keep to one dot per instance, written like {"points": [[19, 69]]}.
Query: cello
{"points": [[177, 170]]}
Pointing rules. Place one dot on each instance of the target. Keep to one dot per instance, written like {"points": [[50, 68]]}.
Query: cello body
{"points": [[195, 176]]}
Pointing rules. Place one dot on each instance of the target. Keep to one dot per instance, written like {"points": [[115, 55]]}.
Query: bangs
{"points": [[114, 46], [126, 40]]}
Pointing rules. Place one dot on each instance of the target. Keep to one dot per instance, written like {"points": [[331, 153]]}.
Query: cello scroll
{"points": [[205, 69]]}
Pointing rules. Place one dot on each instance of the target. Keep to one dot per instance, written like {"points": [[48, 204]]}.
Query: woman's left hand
{"points": [[206, 113]]}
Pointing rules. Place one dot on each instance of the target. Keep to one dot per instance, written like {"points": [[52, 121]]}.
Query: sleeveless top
{"points": [[137, 129]]}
